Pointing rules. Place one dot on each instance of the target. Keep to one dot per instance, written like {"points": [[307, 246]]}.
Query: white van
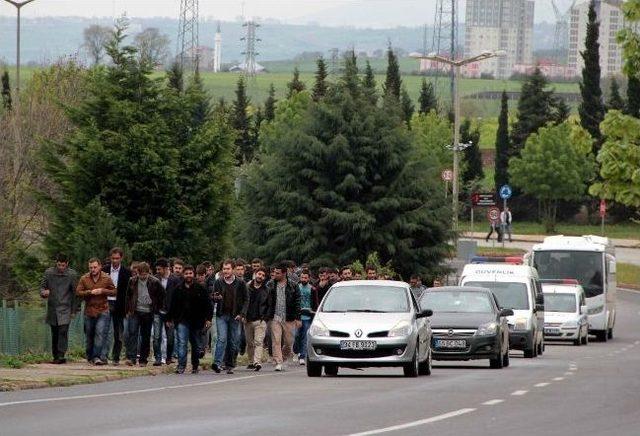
{"points": [[516, 287], [565, 311]]}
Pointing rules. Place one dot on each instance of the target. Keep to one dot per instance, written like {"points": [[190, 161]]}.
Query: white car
{"points": [[565, 311]]}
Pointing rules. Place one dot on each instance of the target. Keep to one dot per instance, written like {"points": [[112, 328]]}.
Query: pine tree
{"points": [[240, 122], [615, 101], [393, 81], [270, 104], [257, 120], [200, 101], [320, 85], [369, 83], [562, 111], [175, 76], [296, 85], [501, 176], [6, 91], [633, 97], [407, 106], [350, 80], [471, 155], [591, 108], [427, 97]]}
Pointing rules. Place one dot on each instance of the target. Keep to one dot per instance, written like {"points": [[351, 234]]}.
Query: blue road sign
{"points": [[505, 192]]}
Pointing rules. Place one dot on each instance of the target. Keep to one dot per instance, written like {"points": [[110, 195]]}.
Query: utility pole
{"points": [[18, 5], [187, 52], [250, 52]]}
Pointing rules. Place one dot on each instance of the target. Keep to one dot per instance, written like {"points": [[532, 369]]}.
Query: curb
{"points": [[519, 238]]}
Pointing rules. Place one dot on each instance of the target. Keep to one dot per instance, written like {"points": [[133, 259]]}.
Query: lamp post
{"points": [[18, 5], [456, 65]]}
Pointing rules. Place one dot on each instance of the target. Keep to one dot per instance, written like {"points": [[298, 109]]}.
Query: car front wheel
{"points": [[313, 369], [425, 367], [411, 369]]}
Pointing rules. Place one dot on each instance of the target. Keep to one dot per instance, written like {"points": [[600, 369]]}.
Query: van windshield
{"points": [[509, 295], [559, 303], [584, 266]]}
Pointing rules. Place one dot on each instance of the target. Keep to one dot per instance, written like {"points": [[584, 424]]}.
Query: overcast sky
{"points": [[360, 13]]}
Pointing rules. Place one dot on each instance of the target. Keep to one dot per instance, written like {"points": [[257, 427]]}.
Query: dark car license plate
{"points": [[358, 345], [451, 343]]}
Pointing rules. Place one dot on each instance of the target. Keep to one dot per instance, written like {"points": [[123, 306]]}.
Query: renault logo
{"points": [[358, 333], [450, 332]]}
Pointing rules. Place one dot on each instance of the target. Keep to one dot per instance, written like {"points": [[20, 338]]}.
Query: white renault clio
{"points": [[565, 311]]}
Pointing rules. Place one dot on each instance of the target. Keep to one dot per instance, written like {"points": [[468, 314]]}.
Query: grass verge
{"points": [[628, 275], [620, 230]]}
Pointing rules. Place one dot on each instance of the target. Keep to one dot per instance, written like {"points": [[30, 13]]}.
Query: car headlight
{"points": [[570, 325], [489, 328], [521, 324], [594, 310], [318, 329], [403, 328]]}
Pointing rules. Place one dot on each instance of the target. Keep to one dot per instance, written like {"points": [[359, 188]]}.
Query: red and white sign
{"points": [[603, 208], [493, 214], [447, 175]]}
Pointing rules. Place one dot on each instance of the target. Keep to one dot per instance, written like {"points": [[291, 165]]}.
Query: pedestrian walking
{"points": [[255, 325], [322, 287], [120, 276], [189, 314], [95, 286], [169, 282], [284, 314], [145, 299], [58, 287], [201, 279], [416, 286], [494, 227], [306, 310], [505, 220]]}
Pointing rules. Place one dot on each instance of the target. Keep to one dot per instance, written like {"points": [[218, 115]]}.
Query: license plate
{"points": [[551, 330], [358, 345], [451, 343]]}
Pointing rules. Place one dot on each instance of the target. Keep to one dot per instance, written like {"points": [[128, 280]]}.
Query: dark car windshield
{"points": [[559, 303], [457, 301], [366, 298], [510, 295], [584, 266]]}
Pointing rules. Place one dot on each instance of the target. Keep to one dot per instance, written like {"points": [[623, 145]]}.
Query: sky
{"points": [[358, 13]]}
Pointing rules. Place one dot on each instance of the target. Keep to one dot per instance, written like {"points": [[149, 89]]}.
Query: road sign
{"points": [[447, 175], [505, 192], [603, 208], [493, 214], [483, 199]]}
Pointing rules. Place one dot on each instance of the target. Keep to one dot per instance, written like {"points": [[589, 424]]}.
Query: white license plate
{"points": [[551, 330], [358, 345], [451, 343]]}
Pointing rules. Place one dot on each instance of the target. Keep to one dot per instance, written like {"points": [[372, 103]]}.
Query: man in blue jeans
{"points": [[232, 298], [306, 299]]}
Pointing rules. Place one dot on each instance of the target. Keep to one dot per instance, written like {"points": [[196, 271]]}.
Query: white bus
{"points": [[589, 259]]}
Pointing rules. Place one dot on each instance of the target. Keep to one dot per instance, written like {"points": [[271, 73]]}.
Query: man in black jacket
{"points": [[170, 282], [120, 276], [257, 314], [190, 313], [232, 300], [284, 313]]}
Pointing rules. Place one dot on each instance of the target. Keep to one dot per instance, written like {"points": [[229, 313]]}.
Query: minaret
{"points": [[217, 51]]}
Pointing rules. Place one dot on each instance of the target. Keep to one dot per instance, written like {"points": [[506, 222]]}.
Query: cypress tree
{"points": [[615, 101], [320, 85], [407, 106], [240, 122], [633, 97], [6, 91], [427, 97], [295, 85], [393, 81], [501, 176], [471, 155], [591, 108], [270, 104]]}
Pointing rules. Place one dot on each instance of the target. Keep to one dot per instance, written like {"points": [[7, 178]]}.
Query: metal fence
{"points": [[23, 329]]}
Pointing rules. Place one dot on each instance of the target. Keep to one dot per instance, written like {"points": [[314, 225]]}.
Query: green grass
{"points": [[499, 251], [7, 361], [620, 231], [628, 274]]}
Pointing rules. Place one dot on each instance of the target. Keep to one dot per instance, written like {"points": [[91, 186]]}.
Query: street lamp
{"points": [[18, 6], [456, 64]]}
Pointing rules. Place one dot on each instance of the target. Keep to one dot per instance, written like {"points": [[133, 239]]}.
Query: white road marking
{"points": [[637, 342], [573, 368], [492, 402], [122, 393], [415, 423], [518, 393], [568, 373], [541, 385], [558, 379]]}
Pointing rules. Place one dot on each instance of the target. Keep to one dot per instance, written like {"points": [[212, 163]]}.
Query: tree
{"points": [[96, 38], [591, 109], [471, 155], [270, 104], [434, 134], [320, 85], [615, 101], [427, 98], [350, 80], [153, 46], [393, 82], [369, 83], [556, 164], [6, 91], [562, 111], [296, 85], [175, 76], [407, 106], [633, 97], [240, 122], [629, 38], [501, 176], [359, 184]]}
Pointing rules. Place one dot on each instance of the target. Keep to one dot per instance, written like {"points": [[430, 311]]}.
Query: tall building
{"points": [[217, 50], [611, 20], [499, 25]]}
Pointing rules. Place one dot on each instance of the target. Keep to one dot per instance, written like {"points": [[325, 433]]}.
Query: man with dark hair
{"points": [[170, 283], [322, 287], [257, 316], [120, 276], [95, 286], [145, 299], [190, 313], [210, 270], [372, 272], [334, 276], [346, 273], [306, 308], [284, 314], [177, 267], [201, 278], [232, 300], [58, 287], [416, 286]]}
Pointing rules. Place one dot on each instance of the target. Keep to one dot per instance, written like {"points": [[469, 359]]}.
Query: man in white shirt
{"points": [[505, 221], [120, 276]]}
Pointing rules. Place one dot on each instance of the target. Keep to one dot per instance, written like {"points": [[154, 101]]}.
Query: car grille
{"points": [[360, 354], [382, 334], [443, 333], [337, 334]]}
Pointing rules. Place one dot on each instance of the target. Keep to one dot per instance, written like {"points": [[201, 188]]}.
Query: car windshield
{"points": [[509, 295], [584, 266], [457, 301], [366, 298], [560, 303]]}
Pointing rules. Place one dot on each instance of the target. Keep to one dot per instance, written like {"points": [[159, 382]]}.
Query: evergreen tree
{"points": [[591, 108], [501, 175], [471, 155], [393, 81], [296, 85], [407, 106], [270, 104], [633, 97], [427, 97], [240, 121], [562, 111], [320, 85], [615, 101], [175, 76], [257, 120], [6, 91], [350, 80], [369, 83], [200, 102]]}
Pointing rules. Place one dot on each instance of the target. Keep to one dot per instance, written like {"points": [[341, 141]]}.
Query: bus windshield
{"points": [[584, 266]]}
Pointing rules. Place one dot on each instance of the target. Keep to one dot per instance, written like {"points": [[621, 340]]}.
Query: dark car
{"points": [[467, 323]]}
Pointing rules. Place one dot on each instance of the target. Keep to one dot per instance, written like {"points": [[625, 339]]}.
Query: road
{"points": [[593, 390]]}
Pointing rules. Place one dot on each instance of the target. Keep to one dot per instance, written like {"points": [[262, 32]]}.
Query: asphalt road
{"points": [[593, 390]]}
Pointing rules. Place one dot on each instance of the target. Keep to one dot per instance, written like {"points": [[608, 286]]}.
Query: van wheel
{"points": [[313, 369], [331, 370], [425, 367]]}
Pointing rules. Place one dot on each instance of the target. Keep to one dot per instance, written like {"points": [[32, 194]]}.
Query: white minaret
{"points": [[217, 50]]}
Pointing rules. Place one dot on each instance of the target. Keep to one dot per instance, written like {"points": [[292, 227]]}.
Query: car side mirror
{"points": [[506, 312], [539, 307], [583, 310], [425, 313]]}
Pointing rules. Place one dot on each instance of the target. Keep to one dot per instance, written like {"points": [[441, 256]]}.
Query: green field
{"points": [[629, 274]]}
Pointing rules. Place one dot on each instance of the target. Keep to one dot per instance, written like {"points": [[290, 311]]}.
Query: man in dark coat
{"points": [[120, 276]]}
